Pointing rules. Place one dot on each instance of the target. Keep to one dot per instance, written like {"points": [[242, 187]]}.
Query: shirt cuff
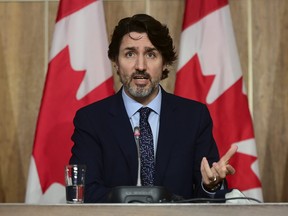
{"points": [[211, 194]]}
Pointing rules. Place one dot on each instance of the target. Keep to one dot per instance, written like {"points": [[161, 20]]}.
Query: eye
{"points": [[151, 55], [129, 54]]}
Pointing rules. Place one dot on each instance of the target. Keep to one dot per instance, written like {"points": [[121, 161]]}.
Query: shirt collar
{"points": [[133, 106]]}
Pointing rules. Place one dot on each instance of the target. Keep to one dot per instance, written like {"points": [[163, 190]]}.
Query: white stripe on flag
{"points": [[54, 194]]}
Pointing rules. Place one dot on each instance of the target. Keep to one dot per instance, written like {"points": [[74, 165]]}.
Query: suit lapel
{"points": [[166, 139], [121, 128]]}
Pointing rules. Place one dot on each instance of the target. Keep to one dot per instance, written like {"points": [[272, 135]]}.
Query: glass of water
{"points": [[75, 183]]}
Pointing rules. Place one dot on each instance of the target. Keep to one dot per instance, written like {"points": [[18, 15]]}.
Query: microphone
{"points": [[139, 193], [136, 137]]}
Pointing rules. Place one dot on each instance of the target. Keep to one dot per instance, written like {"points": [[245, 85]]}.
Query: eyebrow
{"points": [[147, 49]]}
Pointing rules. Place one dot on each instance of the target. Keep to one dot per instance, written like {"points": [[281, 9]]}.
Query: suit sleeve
{"points": [[87, 150], [205, 147]]}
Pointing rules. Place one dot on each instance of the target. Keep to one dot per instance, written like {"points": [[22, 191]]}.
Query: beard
{"points": [[139, 91]]}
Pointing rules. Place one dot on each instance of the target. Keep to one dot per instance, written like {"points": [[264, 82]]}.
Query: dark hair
{"points": [[158, 35]]}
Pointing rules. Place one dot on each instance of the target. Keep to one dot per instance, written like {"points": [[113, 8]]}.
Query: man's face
{"points": [[140, 67]]}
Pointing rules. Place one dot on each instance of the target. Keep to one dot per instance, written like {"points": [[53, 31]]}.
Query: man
{"points": [[184, 157]]}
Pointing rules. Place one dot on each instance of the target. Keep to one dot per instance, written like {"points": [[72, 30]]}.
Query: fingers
{"points": [[230, 169], [219, 170], [222, 167], [229, 154], [223, 171], [208, 175]]}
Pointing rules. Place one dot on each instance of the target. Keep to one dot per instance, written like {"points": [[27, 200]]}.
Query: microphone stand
{"points": [[137, 136]]}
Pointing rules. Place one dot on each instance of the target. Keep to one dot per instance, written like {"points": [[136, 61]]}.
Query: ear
{"points": [[115, 65], [165, 67]]}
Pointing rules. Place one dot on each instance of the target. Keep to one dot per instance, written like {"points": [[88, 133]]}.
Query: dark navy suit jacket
{"points": [[104, 141]]}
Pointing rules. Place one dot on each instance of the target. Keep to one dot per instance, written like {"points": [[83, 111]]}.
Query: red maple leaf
{"points": [[52, 143]]}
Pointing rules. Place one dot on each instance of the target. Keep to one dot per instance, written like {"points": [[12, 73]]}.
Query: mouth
{"points": [[141, 79], [141, 76]]}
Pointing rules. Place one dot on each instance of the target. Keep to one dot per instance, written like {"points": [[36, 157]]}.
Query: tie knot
{"points": [[145, 112]]}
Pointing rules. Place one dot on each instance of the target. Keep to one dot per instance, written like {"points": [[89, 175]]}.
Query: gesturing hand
{"points": [[211, 176]]}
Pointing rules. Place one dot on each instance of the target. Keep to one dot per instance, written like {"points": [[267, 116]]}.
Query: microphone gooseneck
{"points": [[136, 137]]}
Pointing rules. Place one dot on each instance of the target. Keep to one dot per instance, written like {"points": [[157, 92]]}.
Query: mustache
{"points": [[141, 74]]}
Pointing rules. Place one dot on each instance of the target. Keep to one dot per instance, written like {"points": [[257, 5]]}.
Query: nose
{"points": [[141, 63]]}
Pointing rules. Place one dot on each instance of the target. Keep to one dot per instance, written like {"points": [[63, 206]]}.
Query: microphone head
{"points": [[136, 132]]}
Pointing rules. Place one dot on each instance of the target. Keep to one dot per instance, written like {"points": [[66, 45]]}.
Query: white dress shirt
{"points": [[132, 108]]}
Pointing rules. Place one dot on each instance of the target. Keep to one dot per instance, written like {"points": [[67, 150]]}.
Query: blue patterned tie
{"points": [[146, 148]]}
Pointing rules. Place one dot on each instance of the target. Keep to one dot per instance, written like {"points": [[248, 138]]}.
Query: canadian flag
{"points": [[209, 71], [79, 73]]}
